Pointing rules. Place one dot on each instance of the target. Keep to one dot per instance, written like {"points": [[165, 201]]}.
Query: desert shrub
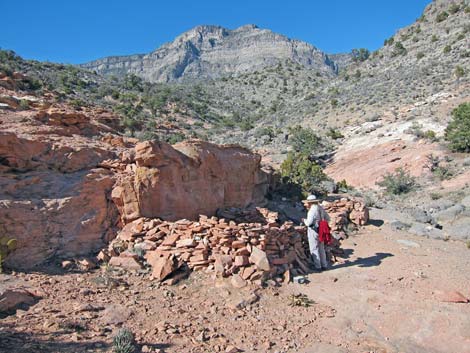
{"points": [[420, 55], [77, 103], [416, 129], [265, 131], [459, 71], [133, 82], [7, 246], [389, 41], [430, 135], [457, 132], [124, 342], [447, 49], [334, 134], [24, 104], [399, 182], [343, 185], [443, 173], [360, 54], [454, 8], [334, 102], [434, 38], [299, 169], [304, 140], [399, 49], [442, 16], [246, 125], [174, 138], [435, 196]]}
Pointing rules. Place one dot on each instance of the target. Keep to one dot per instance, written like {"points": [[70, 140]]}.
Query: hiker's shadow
{"points": [[370, 261]]}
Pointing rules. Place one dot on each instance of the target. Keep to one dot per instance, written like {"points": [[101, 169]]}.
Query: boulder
{"points": [[460, 229], [188, 179], [260, 259], [424, 230], [162, 267], [15, 298], [450, 214], [128, 263]]}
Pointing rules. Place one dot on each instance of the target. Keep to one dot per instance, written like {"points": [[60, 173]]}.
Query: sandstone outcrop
{"points": [[188, 179], [62, 168]]}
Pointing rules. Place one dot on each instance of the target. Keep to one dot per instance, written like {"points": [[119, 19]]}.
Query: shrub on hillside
{"points": [[399, 49], [459, 71], [334, 134], [360, 54], [299, 169], [458, 129], [442, 16], [454, 8], [304, 140], [399, 182]]}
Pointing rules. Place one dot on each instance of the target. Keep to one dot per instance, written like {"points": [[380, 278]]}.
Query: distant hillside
{"points": [[213, 51]]}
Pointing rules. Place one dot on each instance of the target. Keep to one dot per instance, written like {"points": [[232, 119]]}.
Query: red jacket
{"points": [[324, 233]]}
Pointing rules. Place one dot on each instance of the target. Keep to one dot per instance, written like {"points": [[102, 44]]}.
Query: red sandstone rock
{"points": [[209, 177], [129, 263], [259, 258], [163, 267]]}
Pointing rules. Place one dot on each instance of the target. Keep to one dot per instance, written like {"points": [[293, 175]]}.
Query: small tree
{"points": [[360, 54], [399, 182], [304, 140], [458, 129], [298, 169]]}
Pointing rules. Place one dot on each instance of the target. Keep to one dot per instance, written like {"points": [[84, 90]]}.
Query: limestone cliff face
{"points": [[213, 51]]}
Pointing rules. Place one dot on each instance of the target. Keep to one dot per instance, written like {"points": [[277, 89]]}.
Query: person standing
{"points": [[316, 213]]}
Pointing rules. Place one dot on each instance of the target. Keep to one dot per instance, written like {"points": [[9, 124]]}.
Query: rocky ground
{"points": [[392, 292]]}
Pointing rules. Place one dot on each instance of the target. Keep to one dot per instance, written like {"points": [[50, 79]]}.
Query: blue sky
{"points": [[71, 31]]}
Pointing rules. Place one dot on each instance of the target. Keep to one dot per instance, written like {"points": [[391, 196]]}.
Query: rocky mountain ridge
{"points": [[213, 51]]}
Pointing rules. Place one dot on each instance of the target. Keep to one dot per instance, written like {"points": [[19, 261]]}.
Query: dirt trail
{"points": [[384, 297], [388, 295]]}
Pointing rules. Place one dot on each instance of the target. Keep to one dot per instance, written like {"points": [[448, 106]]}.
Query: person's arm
{"points": [[311, 217]]}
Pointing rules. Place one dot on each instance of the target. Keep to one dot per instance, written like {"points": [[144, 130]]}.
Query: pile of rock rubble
{"points": [[246, 245]]}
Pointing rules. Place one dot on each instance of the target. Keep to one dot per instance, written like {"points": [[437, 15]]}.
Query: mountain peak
{"points": [[211, 51]]}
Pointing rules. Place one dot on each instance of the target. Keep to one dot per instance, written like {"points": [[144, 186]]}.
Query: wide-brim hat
{"points": [[311, 199]]}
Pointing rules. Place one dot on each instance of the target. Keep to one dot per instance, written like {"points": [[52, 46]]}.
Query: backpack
{"points": [[324, 233]]}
